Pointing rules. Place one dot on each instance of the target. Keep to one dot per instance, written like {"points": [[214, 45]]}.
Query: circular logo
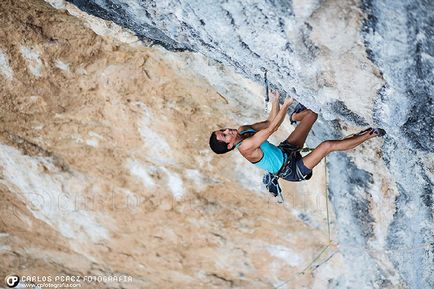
{"points": [[12, 281]]}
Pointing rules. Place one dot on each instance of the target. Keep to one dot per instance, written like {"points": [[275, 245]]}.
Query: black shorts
{"points": [[293, 168]]}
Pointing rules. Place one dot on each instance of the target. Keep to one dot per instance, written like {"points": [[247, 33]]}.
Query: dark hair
{"points": [[218, 146]]}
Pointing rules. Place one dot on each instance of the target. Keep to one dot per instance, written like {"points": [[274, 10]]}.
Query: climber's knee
{"points": [[326, 146]]}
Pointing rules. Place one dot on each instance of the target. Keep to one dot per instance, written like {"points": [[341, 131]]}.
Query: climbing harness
{"points": [[271, 183], [271, 180], [306, 149]]}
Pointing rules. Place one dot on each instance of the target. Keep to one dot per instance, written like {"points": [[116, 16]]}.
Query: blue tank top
{"points": [[272, 156]]}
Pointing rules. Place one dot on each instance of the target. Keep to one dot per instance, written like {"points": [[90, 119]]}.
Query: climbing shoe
{"points": [[363, 131], [359, 133], [378, 131], [298, 108]]}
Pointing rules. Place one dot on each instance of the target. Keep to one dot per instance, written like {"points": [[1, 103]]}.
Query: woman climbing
{"points": [[283, 161]]}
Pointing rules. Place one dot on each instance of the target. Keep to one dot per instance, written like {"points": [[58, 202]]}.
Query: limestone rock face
{"points": [[106, 109]]}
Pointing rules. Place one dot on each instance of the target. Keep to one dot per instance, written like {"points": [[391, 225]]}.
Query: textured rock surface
{"points": [[105, 166], [89, 191]]}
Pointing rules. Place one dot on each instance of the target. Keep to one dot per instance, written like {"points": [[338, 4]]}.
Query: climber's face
{"points": [[227, 135]]}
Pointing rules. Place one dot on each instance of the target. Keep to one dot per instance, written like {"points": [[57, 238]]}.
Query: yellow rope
{"points": [[330, 241], [327, 197], [316, 258]]}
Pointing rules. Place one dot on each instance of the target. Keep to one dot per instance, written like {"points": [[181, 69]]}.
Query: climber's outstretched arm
{"points": [[255, 141]]}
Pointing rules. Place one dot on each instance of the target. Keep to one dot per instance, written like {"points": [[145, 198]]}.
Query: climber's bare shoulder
{"points": [[251, 154], [250, 147]]}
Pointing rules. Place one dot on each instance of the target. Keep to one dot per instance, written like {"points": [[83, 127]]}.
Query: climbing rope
{"points": [[330, 244], [330, 241], [311, 266]]}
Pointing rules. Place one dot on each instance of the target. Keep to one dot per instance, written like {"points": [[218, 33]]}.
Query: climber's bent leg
{"points": [[307, 118]]}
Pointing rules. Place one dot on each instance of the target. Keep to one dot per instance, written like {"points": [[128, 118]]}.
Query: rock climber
{"points": [[283, 161]]}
